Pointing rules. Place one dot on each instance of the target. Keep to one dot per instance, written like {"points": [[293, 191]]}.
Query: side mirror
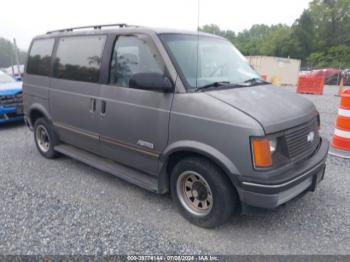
{"points": [[151, 81]]}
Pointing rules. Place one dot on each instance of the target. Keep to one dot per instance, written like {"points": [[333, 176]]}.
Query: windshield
{"points": [[5, 78], [218, 60]]}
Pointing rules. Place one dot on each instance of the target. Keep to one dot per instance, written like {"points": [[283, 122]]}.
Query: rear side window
{"points": [[79, 58], [39, 59]]}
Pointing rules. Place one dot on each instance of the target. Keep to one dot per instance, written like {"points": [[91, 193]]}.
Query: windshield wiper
{"points": [[256, 82], [222, 84], [226, 84], [212, 85]]}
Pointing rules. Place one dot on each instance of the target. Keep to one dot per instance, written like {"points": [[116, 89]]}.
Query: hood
{"points": [[274, 108], [10, 88]]}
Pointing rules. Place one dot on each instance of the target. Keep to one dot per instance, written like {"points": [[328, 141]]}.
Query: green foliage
{"points": [[212, 29], [332, 21], [303, 35], [336, 56], [320, 36], [7, 53]]}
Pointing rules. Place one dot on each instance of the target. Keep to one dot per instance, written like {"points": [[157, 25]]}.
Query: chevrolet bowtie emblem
{"points": [[311, 137]]}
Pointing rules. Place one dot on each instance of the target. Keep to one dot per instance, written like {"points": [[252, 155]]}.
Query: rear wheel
{"points": [[203, 194], [45, 138]]}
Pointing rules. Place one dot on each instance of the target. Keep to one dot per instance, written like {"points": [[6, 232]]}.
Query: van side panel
{"points": [[70, 103], [75, 89], [134, 129], [35, 91], [36, 80]]}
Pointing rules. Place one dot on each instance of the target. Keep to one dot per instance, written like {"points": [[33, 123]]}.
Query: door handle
{"points": [[92, 105], [103, 107]]}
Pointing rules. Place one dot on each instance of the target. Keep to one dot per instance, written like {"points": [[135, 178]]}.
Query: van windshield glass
{"points": [[219, 62]]}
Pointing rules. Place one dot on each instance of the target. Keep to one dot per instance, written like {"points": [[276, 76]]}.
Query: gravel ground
{"points": [[65, 207]]}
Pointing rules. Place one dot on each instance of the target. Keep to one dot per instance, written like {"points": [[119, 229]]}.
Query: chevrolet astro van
{"points": [[172, 111]]}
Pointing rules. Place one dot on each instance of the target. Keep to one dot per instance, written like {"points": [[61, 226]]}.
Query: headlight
{"points": [[273, 145], [261, 149], [269, 152]]}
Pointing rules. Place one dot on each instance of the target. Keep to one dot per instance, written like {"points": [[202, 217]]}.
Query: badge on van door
{"points": [[145, 144]]}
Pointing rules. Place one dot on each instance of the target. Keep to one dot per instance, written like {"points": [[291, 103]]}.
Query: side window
{"points": [[79, 58], [39, 59], [132, 55]]}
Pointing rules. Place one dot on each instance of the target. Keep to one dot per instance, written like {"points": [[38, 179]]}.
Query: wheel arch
{"points": [[36, 111], [183, 149]]}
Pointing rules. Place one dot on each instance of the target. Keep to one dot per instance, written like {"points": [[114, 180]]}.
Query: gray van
{"points": [[172, 111]]}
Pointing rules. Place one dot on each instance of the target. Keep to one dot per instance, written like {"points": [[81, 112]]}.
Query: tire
{"points": [[212, 199], [45, 138]]}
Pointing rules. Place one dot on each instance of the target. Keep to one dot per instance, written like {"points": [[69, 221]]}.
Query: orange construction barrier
{"points": [[310, 85], [340, 145]]}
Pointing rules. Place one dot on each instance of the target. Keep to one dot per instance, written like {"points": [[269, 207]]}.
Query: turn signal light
{"points": [[261, 153]]}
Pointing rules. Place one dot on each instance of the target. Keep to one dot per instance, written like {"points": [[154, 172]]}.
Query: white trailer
{"points": [[280, 71]]}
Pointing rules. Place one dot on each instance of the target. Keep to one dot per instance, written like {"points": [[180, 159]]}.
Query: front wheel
{"points": [[203, 194], [45, 138]]}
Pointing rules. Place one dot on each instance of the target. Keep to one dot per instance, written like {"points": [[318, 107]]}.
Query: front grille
{"points": [[11, 101], [9, 116], [12, 115], [299, 147]]}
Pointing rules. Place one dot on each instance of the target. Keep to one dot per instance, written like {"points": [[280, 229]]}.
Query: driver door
{"points": [[134, 123]]}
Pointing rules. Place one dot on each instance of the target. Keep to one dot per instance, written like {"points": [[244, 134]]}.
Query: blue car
{"points": [[11, 100]]}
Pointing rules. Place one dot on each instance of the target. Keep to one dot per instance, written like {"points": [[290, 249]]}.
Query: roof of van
{"points": [[118, 28]]}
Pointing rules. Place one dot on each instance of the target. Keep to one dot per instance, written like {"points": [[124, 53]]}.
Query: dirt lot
{"points": [[65, 207]]}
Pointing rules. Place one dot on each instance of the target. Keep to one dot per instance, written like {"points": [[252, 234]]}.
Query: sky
{"points": [[23, 19]]}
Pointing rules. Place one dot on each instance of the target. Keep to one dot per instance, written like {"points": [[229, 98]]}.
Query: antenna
{"points": [[197, 60]]}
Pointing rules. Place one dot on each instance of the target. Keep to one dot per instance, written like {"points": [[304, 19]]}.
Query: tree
{"points": [[211, 29], [336, 56], [320, 36], [303, 34], [249, 41], [331, 20], [7, 55]]}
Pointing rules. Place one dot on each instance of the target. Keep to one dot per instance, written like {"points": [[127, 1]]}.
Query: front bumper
{"points": [[309, 174], [10, 114]]}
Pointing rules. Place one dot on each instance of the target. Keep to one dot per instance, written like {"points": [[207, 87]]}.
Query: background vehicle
{"points": [[332, 76], [11, 100], [346, 76], [172, 111]]}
